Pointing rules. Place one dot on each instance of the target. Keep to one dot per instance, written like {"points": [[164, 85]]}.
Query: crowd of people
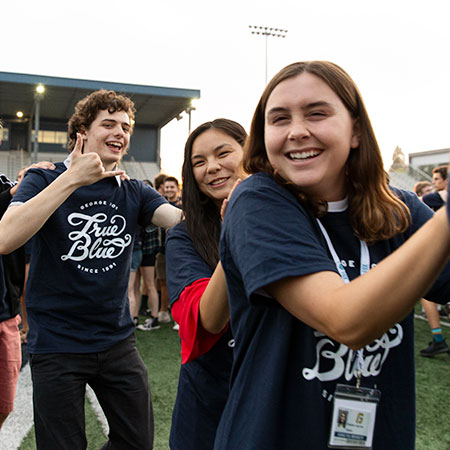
{"points": [[435, 196], [281, 243]]}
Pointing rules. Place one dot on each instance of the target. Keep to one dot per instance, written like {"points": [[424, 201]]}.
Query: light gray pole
{"points": [[36, 128], [265, 36], [189, 129], [266, 32], [40, 89], [189, 110]]}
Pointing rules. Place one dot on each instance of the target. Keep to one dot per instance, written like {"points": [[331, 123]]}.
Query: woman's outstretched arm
{"points": [[357, 313]]}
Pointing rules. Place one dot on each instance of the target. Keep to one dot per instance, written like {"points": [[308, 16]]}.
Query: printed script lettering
{"points": [[342, 358], [97, 237]]}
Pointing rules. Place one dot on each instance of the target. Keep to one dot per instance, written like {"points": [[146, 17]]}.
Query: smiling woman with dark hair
{"points": [[196, 283]]}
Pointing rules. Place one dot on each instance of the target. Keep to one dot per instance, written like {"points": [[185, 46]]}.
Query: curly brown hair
{"points": [[376, 213], [86, 111]]}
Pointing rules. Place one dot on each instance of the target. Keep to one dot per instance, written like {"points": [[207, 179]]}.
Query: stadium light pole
{"points": [[266, 32], [189, 109], [40, 89]]}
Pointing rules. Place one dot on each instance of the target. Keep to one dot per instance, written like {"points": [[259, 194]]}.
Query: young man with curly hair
{"points": [[83, 217]]}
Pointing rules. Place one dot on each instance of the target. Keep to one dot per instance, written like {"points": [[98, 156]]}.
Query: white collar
{"points": [[117, 177], [339, 206]]}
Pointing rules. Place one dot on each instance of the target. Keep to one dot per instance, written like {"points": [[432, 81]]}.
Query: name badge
{"points": [[353, 418]]}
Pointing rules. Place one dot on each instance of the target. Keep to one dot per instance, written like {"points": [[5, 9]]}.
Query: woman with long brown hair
{"points": [[320, 297]]}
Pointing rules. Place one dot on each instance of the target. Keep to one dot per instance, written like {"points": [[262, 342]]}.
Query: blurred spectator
{"points": [[12, 278], [438, 198], [435, 201], [169, 187], [422, 188]]}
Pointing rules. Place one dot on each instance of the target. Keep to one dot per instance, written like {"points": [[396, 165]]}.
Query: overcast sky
{"points": [[396, 51]]}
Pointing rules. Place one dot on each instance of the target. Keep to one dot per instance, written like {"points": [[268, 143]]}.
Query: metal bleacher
{"points": [[12, 161], [407, 177]]}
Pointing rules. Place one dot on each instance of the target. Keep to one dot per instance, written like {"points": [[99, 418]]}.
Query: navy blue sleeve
{"points": [[183, 264], [433, 200], [420, 212], [269, 236]]}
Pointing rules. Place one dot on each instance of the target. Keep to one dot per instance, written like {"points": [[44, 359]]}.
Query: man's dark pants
{"points": [[119, 379]]}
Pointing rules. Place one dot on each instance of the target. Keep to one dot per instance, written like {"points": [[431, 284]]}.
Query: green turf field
{"points": [[160, 349]]}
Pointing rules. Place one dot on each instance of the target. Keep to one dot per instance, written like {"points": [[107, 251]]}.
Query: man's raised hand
{"points": [[87, 168]]}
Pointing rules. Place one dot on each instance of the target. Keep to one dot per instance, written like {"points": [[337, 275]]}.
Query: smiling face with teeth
{"points": [[216, 159], [308, 135], [108, 136]]}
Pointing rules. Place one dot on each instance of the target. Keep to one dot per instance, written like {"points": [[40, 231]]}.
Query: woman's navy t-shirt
{"points": [[284, 372], [203, 382]]}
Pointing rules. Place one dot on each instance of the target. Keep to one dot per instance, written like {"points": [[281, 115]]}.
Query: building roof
{"points": [[431, 152], [155, 106], [429, 158]]}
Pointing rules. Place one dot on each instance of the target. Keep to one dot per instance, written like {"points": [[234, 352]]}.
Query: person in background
{"points": [[172, 193], [12, 278], [27, 250], [145, 310], [310, 242], [159, 183], [160, 263], [196, 283], [10, 350], [438, 198], [423, 189], [134, 282], [149, 248]]}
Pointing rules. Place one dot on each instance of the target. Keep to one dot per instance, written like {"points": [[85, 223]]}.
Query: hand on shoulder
{"points": [[39, 165]]}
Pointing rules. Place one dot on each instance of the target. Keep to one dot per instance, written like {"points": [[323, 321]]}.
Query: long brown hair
{"points": [[376, 213]]}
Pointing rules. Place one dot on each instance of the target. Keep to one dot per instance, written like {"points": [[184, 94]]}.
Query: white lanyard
{"points": [[364, 268], [365, 257]]}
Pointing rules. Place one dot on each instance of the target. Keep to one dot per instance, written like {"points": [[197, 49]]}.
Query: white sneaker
{"points": [[149, 325], [176, 327], [164, 317]]}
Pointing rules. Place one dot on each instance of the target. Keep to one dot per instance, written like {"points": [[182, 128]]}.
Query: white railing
{"points": [[406, 178]]}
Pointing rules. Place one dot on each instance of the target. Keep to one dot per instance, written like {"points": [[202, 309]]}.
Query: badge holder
{"points": [[353, 419], [354, 408]]}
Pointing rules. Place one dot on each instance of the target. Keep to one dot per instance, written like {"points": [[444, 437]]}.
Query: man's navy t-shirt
{"points": [[80, 261]]}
